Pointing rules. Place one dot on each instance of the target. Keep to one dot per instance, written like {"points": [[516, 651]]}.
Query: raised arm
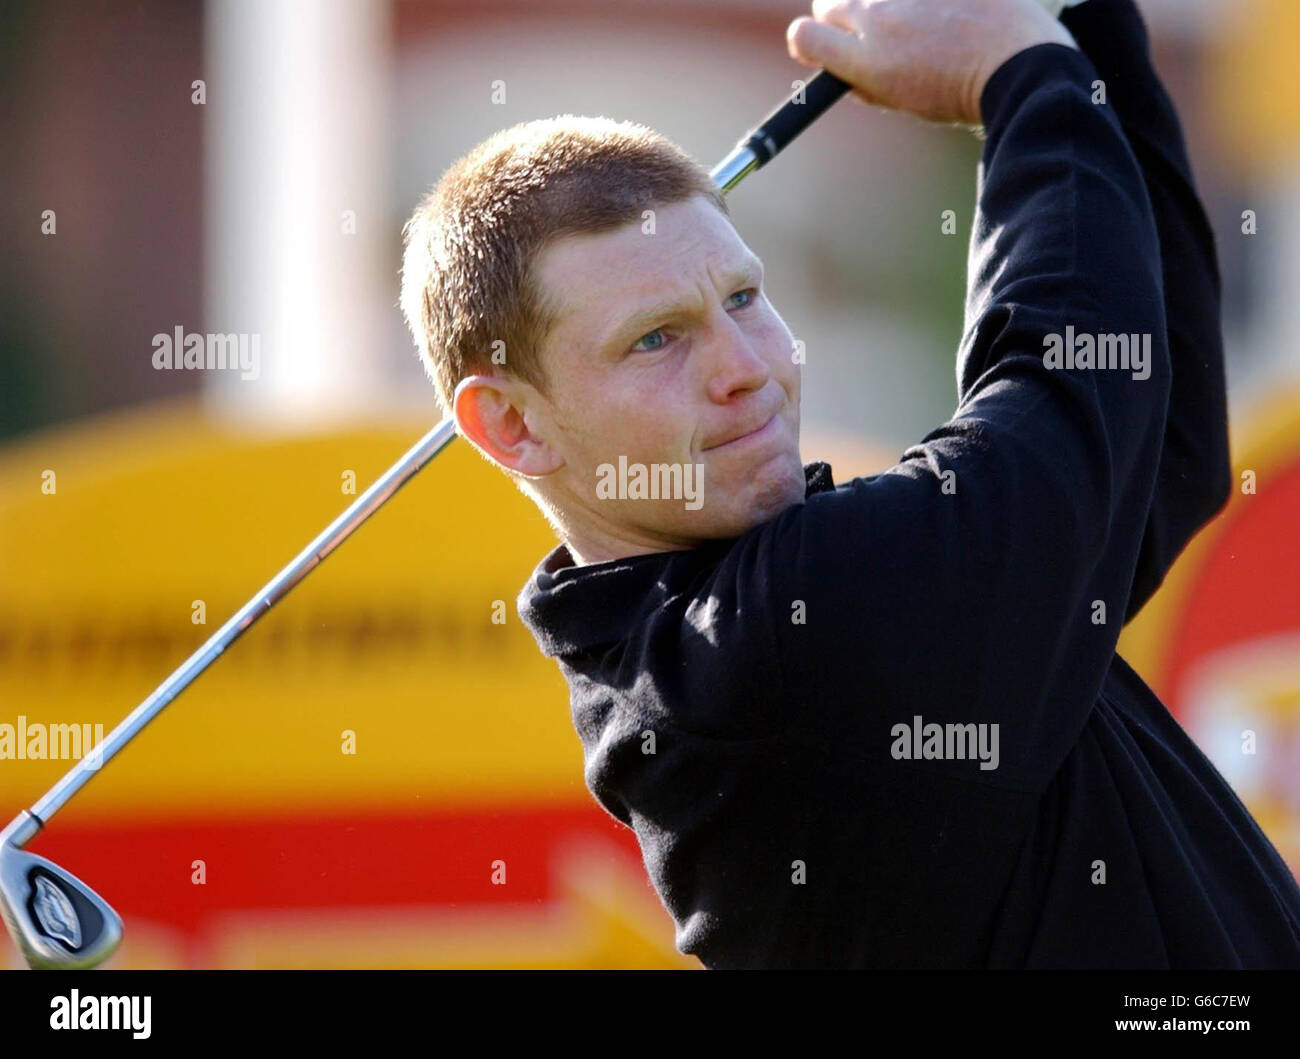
{"points": [[1195, 475], [985, 577]]}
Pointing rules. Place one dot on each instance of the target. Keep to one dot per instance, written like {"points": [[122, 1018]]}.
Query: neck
{"points": [[588, 547]]}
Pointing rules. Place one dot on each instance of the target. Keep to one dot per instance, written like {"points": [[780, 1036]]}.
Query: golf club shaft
{"points": [[775, 132], [28, 823], [754, 151]]}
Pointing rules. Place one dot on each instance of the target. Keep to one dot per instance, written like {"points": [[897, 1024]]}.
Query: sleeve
{"points": [[1194, 479], [984, 578]]}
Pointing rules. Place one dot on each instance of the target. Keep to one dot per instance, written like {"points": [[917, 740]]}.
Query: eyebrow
{"points": [[646, 317]]}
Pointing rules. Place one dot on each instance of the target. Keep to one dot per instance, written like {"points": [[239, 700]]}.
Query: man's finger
{"points": [[816, 44]]}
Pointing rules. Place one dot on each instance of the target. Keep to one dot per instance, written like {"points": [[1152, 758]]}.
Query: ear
{"points": [[490, 411]]}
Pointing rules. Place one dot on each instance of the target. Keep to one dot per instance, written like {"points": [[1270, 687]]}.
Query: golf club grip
{"points": [[788, 120]]}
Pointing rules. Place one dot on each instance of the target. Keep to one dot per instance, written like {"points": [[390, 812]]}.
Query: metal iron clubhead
{"points": [[57, 921]]}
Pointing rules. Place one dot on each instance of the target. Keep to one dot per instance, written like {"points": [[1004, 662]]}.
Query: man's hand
{"points": [[931, 58]]}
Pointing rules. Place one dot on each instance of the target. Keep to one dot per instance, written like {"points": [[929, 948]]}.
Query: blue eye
{"points": [[652, 349], [751, 293]]}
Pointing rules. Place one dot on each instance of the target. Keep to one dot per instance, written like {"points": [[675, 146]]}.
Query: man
{"points": [[880, 724]]}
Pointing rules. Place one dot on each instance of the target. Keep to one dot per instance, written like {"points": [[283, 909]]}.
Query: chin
{"points": [[772, 492], [771, 502]]}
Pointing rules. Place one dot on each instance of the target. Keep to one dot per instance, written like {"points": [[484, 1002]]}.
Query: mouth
{"points": [[758, 434]]}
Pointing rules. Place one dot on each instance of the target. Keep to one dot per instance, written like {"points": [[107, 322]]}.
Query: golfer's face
{"points": [[668, 353]]}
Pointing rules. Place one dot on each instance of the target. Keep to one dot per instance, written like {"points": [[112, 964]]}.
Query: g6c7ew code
{"points": [[1214, 1000]]}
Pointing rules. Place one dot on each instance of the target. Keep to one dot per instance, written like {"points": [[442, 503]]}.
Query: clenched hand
{"points": [[931, 58]]}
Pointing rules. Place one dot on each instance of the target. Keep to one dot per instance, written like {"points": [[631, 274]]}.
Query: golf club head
{"points": [[57, 921]]}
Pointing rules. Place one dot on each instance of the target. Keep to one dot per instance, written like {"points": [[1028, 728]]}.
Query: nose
{"points": [[734, 366]]}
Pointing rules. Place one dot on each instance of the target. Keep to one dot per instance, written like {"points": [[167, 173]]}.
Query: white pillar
{"points": [[297, 112]]}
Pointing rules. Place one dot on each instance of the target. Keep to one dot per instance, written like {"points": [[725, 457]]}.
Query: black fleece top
{"points": [[757, 708]]}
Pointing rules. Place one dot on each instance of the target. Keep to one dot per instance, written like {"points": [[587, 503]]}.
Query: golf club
{"points": [[59, 922]]}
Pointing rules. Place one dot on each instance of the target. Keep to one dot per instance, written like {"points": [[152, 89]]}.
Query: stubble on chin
{"points": [[765, 497], [783, 490]]}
